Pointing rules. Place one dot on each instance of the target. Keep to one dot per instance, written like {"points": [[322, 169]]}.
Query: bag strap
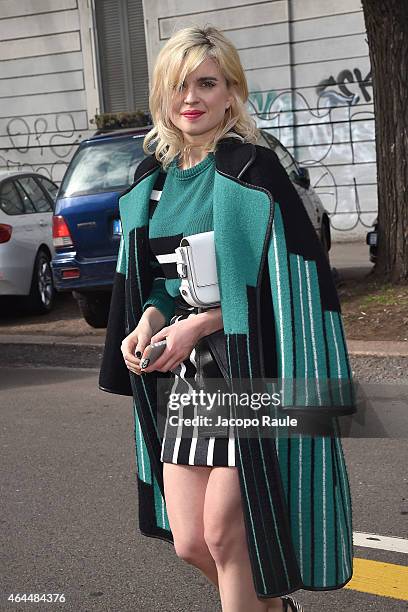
{"points": [[216, 344]]}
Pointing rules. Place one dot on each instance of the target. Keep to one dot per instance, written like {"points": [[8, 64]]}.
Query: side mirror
{"points": [[303, 178]]}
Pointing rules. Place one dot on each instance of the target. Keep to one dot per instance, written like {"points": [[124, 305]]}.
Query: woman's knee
{"points": [[224, 540], [192, 550]]}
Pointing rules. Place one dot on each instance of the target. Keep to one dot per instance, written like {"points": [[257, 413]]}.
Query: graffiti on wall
{"points": [[344, 77], [50, 141], [334, 136]]}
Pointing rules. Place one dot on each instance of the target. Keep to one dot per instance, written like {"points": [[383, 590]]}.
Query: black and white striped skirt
{"points": [[195, 445]]}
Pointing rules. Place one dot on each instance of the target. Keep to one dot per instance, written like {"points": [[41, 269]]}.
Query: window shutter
{"points": [[122, 55], [138, 55]]}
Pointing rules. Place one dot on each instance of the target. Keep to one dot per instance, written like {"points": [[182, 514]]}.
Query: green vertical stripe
{"points": [[299, 331], [334, 361], [341, 325], [345, 488], [318, 345], [306, 517], [143, 460], [318, 513], [340, 344], [342, 537], [275, 519], [317, 320], [250, 506], [330, 525], [307, 361], [296, 266], [160, 507], [279, 279], [134, 206], [325, 561], [294, 495], [345, 389], [121, 261]]}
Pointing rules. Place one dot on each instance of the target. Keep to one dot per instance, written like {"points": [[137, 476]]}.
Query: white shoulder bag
{"points": [[197, 268]]}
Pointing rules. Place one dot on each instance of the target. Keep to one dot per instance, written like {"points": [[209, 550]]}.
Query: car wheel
{"points": [[94, 307], [42, 293]]}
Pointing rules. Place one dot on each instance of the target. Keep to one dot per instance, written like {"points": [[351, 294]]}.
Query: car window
{"points": [[10, 202], [48, 186], [27, 203], [103, 166], [36, 194]]}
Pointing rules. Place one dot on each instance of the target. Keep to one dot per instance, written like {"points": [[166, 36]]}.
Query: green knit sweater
{"points": [[185, 208]]}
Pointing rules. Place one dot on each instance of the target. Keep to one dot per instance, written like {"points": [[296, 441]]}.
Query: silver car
{"points": [[26, 246]]}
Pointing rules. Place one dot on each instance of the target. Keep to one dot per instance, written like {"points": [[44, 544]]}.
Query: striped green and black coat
{"points": [[282, 318]]}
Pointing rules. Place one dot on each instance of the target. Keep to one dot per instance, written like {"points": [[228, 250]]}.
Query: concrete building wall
{"points": [[306, 62], [309, 75], [48, 83]]}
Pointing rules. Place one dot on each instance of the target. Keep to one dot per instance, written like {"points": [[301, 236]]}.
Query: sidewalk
{"points": [[376, 348], [65, 328]]}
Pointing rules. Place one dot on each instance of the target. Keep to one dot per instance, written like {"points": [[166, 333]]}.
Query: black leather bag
{"points": [[211, 360]]}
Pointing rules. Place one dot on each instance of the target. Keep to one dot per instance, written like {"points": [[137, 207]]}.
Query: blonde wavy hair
{"points": [[182, 54]]}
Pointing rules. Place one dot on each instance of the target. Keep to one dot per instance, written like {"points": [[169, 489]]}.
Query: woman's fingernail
{"points": [[145, 363], [138, 354]]}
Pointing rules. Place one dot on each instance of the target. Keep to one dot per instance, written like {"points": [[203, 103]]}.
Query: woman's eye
{"points": [[182, 86]]}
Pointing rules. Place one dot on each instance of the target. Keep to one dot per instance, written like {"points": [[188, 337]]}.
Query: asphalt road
{"points": [[69, 503]]}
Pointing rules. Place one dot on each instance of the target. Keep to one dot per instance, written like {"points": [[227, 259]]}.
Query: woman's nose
{"points": [[190, 95]]}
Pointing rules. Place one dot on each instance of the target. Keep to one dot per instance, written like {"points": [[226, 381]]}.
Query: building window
{"points": [[122, 55]]}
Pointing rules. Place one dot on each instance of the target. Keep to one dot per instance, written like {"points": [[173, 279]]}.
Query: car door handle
{"points": [[43, 223]]}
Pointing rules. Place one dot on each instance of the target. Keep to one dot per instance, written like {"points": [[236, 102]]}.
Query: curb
{"points": [[377, 348], [68, 352], [48, 340], [357, 348]]}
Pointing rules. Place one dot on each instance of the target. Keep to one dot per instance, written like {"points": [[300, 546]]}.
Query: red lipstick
{"points": [[193, 114]]}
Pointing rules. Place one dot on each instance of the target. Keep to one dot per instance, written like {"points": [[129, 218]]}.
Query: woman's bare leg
{"points": [[184, 490], [224, 533]]}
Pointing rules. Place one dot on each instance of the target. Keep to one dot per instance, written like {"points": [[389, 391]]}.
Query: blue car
{"points": [[86, 226]]}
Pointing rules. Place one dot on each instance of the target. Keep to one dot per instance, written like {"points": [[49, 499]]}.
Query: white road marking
{"points": [[371, 540]]}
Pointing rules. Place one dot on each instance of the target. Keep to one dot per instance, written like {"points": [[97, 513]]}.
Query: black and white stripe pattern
{"points": [[163, 254], [156, 193], [291, 605], [162, 248], [184, 446]]}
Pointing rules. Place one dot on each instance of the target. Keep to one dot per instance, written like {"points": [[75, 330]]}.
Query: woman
{"points": [[260, 517]]}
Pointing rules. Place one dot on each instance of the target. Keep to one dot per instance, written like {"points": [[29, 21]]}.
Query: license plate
{"points": [[117, 227]]}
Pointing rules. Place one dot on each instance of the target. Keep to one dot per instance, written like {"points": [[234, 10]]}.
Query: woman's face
{"points": [[199, 107]]}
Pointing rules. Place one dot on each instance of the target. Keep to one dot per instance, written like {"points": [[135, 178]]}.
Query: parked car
{"points": [[86, 222], [26, 246], [372, 241], [86, 226], [299, 175]]}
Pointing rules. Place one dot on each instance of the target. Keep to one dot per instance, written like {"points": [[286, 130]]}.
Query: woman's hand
{"points": [[181, 337], [135, 343]]}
